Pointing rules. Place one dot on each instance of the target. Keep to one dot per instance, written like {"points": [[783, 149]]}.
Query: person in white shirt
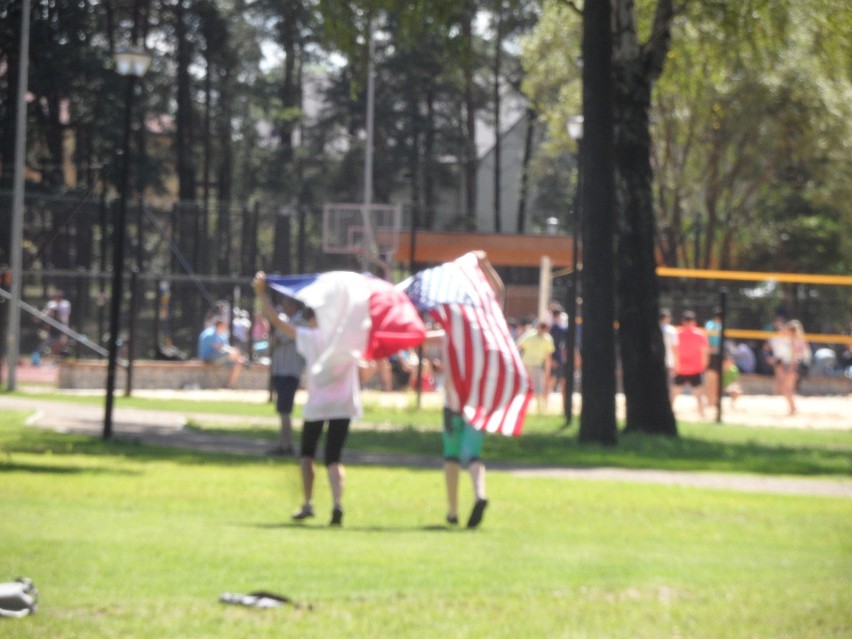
{"points": [[670, 342], [791, 352], [59, 310], [335, 398]]}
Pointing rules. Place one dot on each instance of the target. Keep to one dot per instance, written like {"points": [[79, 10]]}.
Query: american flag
{"points": [[489, 384]]}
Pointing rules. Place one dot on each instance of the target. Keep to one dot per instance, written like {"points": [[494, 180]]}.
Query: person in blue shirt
{"points": [[214, 347], [713, 328]]}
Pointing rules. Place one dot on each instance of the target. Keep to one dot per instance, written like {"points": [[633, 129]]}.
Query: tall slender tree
{"points": [[597, 419], [636, 67]]}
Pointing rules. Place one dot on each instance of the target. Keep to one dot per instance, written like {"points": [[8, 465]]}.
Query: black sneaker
{"points": [[452, 520], [304, 512], [476, 513], [336, 517]]}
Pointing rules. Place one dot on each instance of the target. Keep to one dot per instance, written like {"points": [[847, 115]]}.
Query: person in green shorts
{"points": [[462, 443], [463, 447], [731, 379]]}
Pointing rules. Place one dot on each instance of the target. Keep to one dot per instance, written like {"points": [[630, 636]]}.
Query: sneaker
{"points": [[452, 520], [476, 513], [304, 512], [336, 517]]}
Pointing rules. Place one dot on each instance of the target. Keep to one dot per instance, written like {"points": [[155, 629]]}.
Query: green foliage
{"points": [[551, 58], [751, 129]]}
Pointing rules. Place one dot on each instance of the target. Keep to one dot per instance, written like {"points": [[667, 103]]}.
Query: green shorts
{"points": [[462, 442]]}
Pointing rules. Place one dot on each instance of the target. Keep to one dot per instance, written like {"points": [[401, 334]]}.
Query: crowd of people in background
{"points": [[243, 337], [694, 356]]}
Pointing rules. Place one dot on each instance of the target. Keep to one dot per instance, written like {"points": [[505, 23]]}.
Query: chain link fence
{"points": [[183, 261], [186, 259]]}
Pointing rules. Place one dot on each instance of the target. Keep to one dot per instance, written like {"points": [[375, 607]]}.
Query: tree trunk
{"points": [[429, 163], [226, 177], [498, 140], [8, 105], [642, 354], [206, 164], [469, 154], [525, 165], [52, 174], [642, 351], [597, 419], [288, 34], [183, 125]]}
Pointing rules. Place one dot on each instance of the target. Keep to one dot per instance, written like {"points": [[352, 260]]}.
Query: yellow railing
{"points": [[757, 276]]}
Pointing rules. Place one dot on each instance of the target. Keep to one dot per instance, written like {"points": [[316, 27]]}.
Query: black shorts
{"points": [[338, 429], [285, 392], [693, 380]]}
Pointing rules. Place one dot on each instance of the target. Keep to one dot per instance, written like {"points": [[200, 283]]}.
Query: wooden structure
{"points": [[435, 247]]}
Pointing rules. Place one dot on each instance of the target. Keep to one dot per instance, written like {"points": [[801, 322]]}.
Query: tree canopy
{"points": [[750, 127]]}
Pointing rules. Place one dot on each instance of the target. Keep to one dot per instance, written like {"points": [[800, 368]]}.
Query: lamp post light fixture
{"points": [[286, 213], [575, 130], [131, 63], [575, 127], [551, 226]]}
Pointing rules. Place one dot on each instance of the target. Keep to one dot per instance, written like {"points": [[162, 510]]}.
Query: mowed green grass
{"points": [[123, 540], [546, 440]]}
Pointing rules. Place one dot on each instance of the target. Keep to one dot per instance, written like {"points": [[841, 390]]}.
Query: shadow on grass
{"points": [[319, 527], [685, 453], [689, 453], [560, 447], [12, 467], [35, 441], [755, 453]]}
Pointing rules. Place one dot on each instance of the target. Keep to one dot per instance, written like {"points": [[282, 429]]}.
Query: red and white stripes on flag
{"points": [[488, 383], [359, 316]]}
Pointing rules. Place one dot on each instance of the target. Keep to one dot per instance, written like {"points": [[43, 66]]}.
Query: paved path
{"points": [[165, 428]]}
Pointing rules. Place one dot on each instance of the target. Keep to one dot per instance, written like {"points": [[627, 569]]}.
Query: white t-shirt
{"points": [[334, 394], [59, 310], [782, 349], [670, 341]]}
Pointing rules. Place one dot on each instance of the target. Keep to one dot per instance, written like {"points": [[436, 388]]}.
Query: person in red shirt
{"points": [[693, 353]]}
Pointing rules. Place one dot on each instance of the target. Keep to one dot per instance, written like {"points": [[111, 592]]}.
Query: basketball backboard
{"points": [[371, 231]]}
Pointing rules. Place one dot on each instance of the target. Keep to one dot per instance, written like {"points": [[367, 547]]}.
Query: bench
{"points": [[159, 374]]}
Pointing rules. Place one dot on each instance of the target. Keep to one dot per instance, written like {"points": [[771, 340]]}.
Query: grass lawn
{"points": [[707, 446], [125, 540]]}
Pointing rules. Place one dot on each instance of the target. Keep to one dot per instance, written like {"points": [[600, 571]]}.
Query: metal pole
{"points": [[133, 335], [132, 332], [118, 260], [368, 148], [723, 307], [571, 339], [5, 276], [412, 246], [13, 328]]}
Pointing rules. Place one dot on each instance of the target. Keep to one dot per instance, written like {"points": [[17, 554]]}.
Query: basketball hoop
{"points": [[371, 232]]}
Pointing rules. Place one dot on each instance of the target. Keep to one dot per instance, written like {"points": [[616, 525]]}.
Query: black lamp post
{"points": [[131, 63], [575, 130]]}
